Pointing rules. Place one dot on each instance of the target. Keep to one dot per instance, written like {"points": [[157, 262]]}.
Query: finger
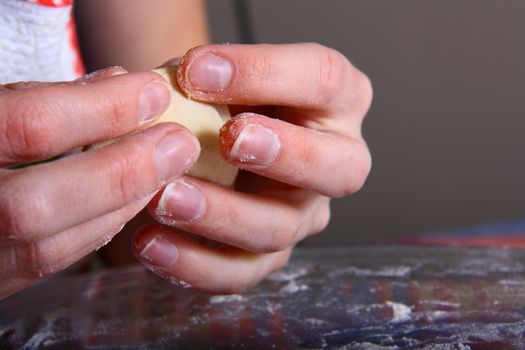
{"points": [[243, 220], [46, 120], [300, 75], [39, 201], [91, 77], [328, 163], [23, 263], [25, 85], [202, 264], [102, 74]]}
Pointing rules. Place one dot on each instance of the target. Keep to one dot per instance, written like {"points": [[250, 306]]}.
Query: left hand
{"points": [[306, 149]]}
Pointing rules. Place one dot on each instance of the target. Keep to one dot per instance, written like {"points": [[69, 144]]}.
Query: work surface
{"points": [[351, 298]]}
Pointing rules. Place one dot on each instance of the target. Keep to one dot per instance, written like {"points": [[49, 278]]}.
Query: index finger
{"points": [[305, 75], [42, 121]]}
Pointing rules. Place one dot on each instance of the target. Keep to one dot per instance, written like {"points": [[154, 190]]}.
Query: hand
{"points": [[306, 148], [53, 214]]}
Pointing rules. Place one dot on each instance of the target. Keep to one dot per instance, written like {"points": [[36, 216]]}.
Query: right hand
{"points": [[55, 213]]}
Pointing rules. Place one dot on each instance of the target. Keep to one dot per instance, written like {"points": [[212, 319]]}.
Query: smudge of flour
{"points": [[285, 276], [292, 287], [219, 299], [401, 312], [396, 271]]}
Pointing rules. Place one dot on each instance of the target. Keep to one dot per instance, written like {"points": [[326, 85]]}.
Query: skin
{"points": [[274, 205], [53, 214], [159, 31], [146, 33]]}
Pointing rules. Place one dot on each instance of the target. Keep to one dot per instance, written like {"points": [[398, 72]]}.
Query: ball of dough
{"points": [[204, 121]]}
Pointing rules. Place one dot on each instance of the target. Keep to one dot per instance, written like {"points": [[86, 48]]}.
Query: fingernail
{"points": [[256, 145], [174, 154], [181, 201], [160, 252], [210, 73], [154, 100]]}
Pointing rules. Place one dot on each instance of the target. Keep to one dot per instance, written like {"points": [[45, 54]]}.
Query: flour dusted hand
{"points": [[55, 213], [296, 135]]}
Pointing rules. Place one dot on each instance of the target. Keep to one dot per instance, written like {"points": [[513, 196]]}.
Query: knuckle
{"points": [[258, 69], [341, 81], [21, 211], [26, 131], [130, 175], [332, 72], [122, 175], [117, 109]]}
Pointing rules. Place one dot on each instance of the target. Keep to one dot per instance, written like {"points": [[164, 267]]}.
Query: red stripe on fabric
{"points": [[54, 3], [517, 241]]}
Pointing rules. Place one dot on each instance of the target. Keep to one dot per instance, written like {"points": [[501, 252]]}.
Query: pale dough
{"points": [[205, 121]]}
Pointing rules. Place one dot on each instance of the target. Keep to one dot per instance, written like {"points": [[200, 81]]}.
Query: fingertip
{"points": [[155, 249], [160, 250], [231, 129], [205, 73], [228, 134], [179, 202], [154, 99], [250, 139], [141, 237], [175, 153]]}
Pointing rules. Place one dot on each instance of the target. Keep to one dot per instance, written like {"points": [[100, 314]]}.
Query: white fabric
{"points": [[34, 42]]}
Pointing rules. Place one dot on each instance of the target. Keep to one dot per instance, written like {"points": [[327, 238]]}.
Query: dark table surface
{"points": [[376, 297]]}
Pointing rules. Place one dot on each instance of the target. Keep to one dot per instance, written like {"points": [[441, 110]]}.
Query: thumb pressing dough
{"points": [[204, 121]]}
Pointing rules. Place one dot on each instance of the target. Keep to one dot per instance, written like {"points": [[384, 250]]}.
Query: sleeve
{"points": [[38, 41]]}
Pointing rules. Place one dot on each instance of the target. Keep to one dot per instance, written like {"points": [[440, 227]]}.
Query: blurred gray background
{"points": [[446, 128]]}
